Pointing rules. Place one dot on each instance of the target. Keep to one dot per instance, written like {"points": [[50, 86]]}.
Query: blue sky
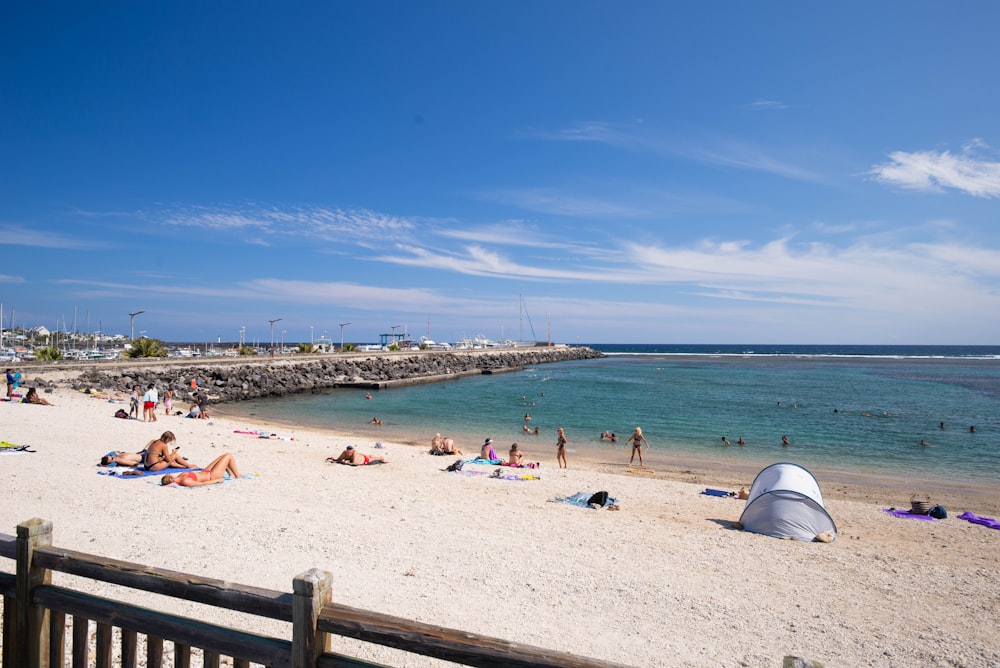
{"points": [[778, 172]]}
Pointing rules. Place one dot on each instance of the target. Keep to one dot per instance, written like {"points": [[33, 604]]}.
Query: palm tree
{"points": [[48, 354], [144, 347]]}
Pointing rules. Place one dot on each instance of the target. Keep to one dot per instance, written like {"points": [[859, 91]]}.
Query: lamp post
{"points": [[342, 326], [272, 330], [283, 340], [243, 333], [132, 323]]}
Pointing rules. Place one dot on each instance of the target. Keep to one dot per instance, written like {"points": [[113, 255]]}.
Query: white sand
{"points": [[666, 581]]}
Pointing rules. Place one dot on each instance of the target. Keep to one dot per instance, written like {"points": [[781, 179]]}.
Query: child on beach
{"points": [[133, 402], [561, 448], [168, 401]]}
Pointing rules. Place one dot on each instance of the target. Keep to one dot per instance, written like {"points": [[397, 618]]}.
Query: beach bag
{"points": [[938, 512], [599, 498], [120, 413], [455, 466]]}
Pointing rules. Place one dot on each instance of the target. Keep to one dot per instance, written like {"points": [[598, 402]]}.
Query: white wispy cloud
{"points": [[766, 105], [936, 171], [313, 222], [13, 235], [725, 153]]}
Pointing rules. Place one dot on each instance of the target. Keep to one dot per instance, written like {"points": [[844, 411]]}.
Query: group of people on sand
{"points": [[444, 446], [157, 456], [150, 399]]}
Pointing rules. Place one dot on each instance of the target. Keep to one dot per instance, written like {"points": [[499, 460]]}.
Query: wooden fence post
{"points": [[310, 592], [31, 621]]}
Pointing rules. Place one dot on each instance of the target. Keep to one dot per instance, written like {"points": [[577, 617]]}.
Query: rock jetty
{"points": [[239, 379]]}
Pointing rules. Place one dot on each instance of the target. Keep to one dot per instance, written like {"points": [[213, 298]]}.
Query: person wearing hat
{"points": [[487, 451]]}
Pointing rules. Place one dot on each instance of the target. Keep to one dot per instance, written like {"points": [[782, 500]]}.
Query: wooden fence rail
{"points": [[35, 616]]}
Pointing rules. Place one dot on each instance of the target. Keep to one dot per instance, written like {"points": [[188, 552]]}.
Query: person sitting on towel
{"points": [[516, 456], [448, 447], [212, 474], [159, 456], [353, 457]]}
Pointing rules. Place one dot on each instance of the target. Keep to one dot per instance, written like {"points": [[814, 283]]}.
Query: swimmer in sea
{"points": [[725, 441], [785, 441], [740, 441], [924, 443]]}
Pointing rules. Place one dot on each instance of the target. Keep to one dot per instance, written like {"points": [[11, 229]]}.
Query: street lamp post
{"points": [[283, 340], [132, 323], [342, 326], [272, 330]]}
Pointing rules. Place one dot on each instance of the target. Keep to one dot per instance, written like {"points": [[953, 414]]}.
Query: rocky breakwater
{"points": [[226, 380]]}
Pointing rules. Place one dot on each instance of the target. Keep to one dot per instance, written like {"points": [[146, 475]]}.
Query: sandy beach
{"points": [[668, 580]]}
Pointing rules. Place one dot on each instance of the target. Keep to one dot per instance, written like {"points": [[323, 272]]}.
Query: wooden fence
{"points": [[35, 612]]}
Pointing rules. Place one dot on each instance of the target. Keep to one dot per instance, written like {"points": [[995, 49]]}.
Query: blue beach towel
{"points": [[128, 473], [716, 492], [899, 512], [580, 500]]}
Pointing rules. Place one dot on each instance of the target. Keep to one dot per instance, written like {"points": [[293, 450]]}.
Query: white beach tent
{"points": [[785, 502]]}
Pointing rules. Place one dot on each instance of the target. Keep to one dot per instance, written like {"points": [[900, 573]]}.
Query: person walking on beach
{"points": [[561, 448], [637, 440], [149, 401]]}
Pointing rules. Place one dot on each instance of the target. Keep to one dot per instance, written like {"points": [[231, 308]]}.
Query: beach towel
{"points": [[480, 460], [899, 512], [497, 474], [129, 472], [8, 448], [717, 492], [225, 480], [260, 433], [969, 516], [582, 500]]}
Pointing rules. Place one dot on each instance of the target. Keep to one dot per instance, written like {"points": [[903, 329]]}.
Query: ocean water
{"points": [[847, 408]]}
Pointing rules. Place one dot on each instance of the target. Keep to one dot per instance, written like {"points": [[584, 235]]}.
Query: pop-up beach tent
{"points": [[785, 502]]}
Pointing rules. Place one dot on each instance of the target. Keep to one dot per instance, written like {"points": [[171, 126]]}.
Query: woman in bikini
{"points": [[561, 448], [159, 456], [637, 440], [212, 474]]}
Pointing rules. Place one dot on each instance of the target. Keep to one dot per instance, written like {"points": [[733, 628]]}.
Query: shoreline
{"points": [[864, 486], [498, 557]]}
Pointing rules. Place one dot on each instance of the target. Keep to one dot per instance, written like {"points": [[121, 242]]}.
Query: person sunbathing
{"points": [[32, 398], [516, 456], [353, 457], [159, 455], [121, 458], [210, 475], [448, 447]]}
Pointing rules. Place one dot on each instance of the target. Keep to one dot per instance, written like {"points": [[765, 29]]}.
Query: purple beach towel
{"points": [[898, 512], [969, 516]]}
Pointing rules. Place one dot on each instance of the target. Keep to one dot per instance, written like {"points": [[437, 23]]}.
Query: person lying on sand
{"points": [[121, 458], [353, 457], [212, 474], [159, 456]]}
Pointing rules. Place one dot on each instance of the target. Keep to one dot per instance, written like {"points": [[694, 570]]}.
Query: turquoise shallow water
{"points": [[687, 400]]}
